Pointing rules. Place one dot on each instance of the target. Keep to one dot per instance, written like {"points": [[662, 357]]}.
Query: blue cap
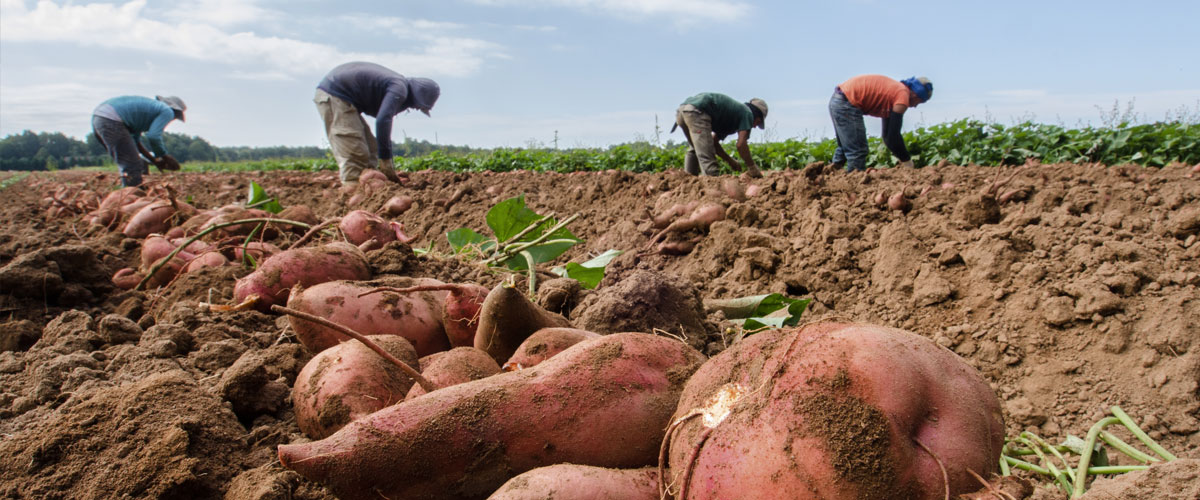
{"points": [[920, 86]]}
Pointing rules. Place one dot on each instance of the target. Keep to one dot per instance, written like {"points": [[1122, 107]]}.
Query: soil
{"points": [[1082, 293]]}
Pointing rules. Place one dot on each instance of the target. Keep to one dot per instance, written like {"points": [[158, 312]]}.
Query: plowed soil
{"points": [[1081, 291]]}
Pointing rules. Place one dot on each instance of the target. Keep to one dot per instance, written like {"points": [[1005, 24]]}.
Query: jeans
{"points": [[120, 146], [354, 147], [851, 133], [701, 156]]}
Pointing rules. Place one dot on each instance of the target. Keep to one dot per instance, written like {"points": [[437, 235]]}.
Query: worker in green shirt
{"points": [[708, 118]]}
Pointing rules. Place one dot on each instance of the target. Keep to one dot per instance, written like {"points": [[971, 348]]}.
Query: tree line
{"points": [[54, 150]]}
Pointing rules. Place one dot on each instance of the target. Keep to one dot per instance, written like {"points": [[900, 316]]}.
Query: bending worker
{"points": [[362, 87], [119, 123], [709, 117], [879, 96]]}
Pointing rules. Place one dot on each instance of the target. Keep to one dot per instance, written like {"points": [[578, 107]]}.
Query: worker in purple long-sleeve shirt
{"points": [[362, 87]]}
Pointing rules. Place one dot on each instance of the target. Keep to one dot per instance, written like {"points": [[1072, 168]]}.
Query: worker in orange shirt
{"points": [[879, 96]]}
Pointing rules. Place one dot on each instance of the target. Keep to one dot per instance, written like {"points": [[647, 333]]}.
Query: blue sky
{"points": [[597, 72]]}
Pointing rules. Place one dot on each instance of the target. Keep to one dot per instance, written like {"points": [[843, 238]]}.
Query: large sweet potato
{"points": [[581, 482], [604, 402], [348, 381], [414, 316], [306, 266], [361, 226], [833, 411]]}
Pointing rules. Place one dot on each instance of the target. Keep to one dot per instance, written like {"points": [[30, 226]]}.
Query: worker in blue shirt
{"points": [[362, 87], [119, 124]]}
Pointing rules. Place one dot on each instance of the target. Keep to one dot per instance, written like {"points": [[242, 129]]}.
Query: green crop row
{"points": [[959, 142]]}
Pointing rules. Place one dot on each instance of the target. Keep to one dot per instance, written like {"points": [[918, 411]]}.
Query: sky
{"points": [[592, 73]]}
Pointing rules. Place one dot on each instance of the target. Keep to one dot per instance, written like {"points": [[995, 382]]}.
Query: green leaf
{"points": [[588, 273], [544, 252], [258, 198], [464, 237], [510, 217]]}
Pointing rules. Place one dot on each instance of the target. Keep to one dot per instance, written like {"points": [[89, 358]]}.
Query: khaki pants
{"points": [[350, 138], [702, 153]]}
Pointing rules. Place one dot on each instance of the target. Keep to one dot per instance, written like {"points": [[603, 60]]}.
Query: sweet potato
{"points": [[507, 318], [258, 249], [460, 307], [348, 381], [416, 316], [604, 402], [157, 217], [361, 226], [126, 278], [456, 366], [307, 266], [581, 482], [543, 344], [210, 258], [396, 205], [833, 411]]}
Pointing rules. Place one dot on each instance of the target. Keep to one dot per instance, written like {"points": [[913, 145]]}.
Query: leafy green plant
{"points": [[757, 313], [521, 239], [590, 272], [258, 198], [1092, 455]]}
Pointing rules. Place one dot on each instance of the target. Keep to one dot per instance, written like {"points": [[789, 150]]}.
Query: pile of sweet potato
{"points": [[826, 411]]}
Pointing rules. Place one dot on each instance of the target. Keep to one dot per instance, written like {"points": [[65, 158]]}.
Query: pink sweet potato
{"points": [[460, 307], [543, 344], [507, 318], [396, 206], [833, 411], [581, 482], [348, 381], [307, 266], [604, 402], [456, 366], [207, 259], [127, 278], [414, 316], [361, 226], [157, 217]]}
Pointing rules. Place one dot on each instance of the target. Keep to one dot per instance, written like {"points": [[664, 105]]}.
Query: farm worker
{"points": [[363, 87], [707, 118], [119, 123], [879, 96]]}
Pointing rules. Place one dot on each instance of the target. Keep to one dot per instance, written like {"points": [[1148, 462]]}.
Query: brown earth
{"points": [[1080, 292]]}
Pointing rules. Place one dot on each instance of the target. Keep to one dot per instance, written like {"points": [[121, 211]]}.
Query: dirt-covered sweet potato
{"points": [[456, 366], [507, 318], [581, 482], [361, 226], [604, 402], [833, 411], [210, 258], [306, 266], [545, 343], [157, 217], [348, 381], [460, 307], [414, 316]]}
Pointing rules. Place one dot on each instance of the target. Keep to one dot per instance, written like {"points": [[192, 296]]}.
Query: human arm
{"points": [[154, 134], [743, 148], [892, 137], [391, 105]]}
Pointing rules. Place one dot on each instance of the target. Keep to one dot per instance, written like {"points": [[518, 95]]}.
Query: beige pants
{"points": [[350, 137], [702, 152]]}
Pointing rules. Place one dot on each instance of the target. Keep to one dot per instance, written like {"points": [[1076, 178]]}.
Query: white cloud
{"points": [[685, 11], [127, 26], [220, 12]]}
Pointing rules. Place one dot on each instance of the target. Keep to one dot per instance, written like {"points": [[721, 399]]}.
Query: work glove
{"points": [[906, 164], [388, 169], [166, 162]]}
